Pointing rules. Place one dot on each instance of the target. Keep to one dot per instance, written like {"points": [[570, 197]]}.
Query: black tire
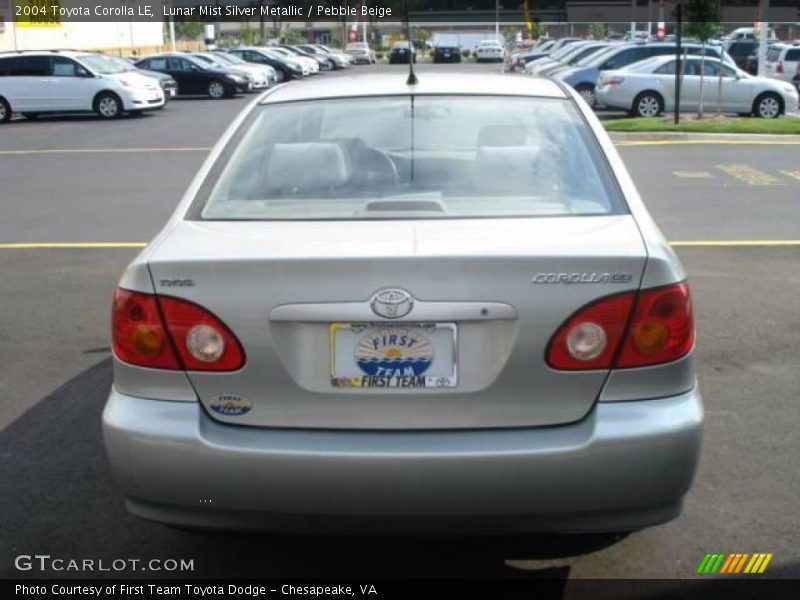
{"points": [[586, 90], [30, 116], [768, 106], [216, 90], [648, 104], [108, 106], [5, 110]]}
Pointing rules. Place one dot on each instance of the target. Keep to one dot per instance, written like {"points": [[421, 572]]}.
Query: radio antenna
{"points": [[412, 77]]}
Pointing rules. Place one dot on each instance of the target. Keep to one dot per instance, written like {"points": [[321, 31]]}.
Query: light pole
{"points": [[762, 38], [633, 20], [497, 20]]}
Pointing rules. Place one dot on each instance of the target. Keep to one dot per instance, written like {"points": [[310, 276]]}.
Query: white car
{"points": [[39, 82], [647, 88], [309, 65], [360, 52], [231, 59], [783, 61], [490, 50]]}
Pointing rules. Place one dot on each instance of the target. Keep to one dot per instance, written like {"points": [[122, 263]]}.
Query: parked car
{"points": [[167, 83], [289, 349], [489, 51], [555, 57], [309, 65], [749, 33], [647, 89], [402, 52], [547, 68], [446, 54], [194, 77], [258, 75], [583, 77], [269, 72], [38, 82], [341, 59], [360, 52], [741, 52], [323, 63], [782, 61], [541, 48], [255, 79], [286, 69], [337, 61]]}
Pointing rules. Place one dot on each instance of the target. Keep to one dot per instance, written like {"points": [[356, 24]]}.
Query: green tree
{"points": [[510, 35], [702, 21], [248, 35], [189, 30], [293, 36], [598, 31]]}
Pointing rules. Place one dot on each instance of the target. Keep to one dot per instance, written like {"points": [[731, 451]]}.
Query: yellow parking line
{"points": [[794, 174], [750, 175], [102, 151], [706, 142], [693, 174], [68, 245]]}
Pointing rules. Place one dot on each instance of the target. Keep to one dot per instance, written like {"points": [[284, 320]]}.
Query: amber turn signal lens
{"points": [[146, 340], [650, 337]]}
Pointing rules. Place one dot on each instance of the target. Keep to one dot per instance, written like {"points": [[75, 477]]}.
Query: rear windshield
{"points": [[399, 157]]}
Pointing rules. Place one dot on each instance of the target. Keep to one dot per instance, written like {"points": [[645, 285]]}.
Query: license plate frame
{"points": [[420, 355]]}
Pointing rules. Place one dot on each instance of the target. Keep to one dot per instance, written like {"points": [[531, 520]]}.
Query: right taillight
{"points": [[632, 329], [662, 327], [171, 333]]}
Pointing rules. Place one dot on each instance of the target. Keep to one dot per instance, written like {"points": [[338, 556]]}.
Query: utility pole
{"points": [[678, 67], [633, 20], [497, 20], [762, 38]]}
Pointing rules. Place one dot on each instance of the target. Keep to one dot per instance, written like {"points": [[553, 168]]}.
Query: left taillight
{"points": [[171, 333]]}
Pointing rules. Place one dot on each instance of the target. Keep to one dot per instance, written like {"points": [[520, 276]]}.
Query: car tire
{"points": [[108, 106], [281, 76], [5, 111], [587, 93], [768, 106], [648, 105], [216, 90], [30, 116]]}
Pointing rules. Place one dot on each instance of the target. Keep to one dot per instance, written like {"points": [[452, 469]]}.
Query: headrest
{"points": [[508, 157], [502, 135], [306, 166]]}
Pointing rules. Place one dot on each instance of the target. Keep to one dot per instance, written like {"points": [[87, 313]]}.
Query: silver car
{"points": [[647, 88], [460, 318]]}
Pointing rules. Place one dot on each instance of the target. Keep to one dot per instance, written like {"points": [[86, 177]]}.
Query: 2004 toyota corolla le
{"points": [[393, 307]]}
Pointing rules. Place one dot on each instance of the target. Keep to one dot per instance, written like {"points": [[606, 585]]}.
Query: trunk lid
{"points": [[501, 286]]}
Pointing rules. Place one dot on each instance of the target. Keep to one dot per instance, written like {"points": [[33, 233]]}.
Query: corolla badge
{"points": [[395, 352], [392, 303]]}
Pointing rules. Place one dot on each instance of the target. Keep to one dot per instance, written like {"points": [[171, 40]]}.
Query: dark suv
{"points": [[741, 53]]}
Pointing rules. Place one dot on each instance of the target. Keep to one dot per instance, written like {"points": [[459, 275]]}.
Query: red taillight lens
{"points": [[137, 333], [660, 330], [188, 337], [578, 345], [204, 343], [779, 68]]}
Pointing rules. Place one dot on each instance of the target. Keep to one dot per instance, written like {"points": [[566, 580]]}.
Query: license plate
{"points": [[172, 93], [396, 355]]}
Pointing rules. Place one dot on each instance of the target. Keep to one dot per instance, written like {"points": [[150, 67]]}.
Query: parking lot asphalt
{"points": [[76, 179]]}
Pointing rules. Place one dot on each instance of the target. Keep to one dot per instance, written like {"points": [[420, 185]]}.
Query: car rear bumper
{"points": [[625, 466]]}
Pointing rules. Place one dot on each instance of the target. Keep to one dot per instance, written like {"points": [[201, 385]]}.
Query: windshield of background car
{"points": [[420, 157], [105, 65], [596, 58]]}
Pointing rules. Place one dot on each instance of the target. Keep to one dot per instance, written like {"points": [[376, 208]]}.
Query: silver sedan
{"points": [[647, 88], [384, 306]]}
